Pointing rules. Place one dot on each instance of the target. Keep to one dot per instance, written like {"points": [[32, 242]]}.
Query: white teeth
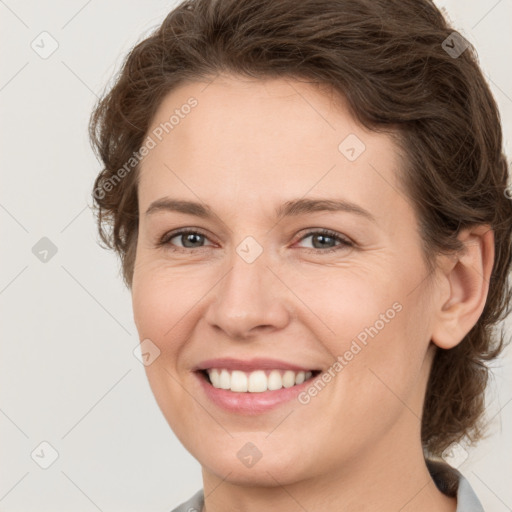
{"points": [[274, 380], [257, 381], [238, 381], [215, 378], [288, 379], [224, 380]]}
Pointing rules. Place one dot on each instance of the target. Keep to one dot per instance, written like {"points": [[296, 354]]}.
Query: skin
{"points": [[245, 149]]}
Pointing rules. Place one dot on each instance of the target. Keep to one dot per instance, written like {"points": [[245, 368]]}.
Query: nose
{"points": [[249, 299]]}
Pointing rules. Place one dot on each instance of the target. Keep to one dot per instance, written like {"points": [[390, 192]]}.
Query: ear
{"points": [[464, 282]]}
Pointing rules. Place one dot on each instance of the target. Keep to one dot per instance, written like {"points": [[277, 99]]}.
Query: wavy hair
{"points": [[391, 61]]}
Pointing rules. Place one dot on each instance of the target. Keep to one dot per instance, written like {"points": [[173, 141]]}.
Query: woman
{"points": [[309, 201]]}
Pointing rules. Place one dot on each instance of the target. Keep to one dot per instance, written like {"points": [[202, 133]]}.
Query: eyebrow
{"points": [[290, 208]]}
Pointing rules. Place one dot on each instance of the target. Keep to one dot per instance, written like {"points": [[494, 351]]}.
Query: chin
{"points": [[265, 473]]}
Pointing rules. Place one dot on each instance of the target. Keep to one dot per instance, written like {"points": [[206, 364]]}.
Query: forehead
{"points": [[248, 141]]}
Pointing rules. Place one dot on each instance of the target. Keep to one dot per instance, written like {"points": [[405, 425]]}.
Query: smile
{"points": [[252, 391], [257, 381]]}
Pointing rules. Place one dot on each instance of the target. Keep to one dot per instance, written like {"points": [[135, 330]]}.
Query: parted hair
{"points": [[396, 64]]}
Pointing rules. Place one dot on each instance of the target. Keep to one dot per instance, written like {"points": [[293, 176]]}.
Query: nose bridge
{"points": [[249, 295]]}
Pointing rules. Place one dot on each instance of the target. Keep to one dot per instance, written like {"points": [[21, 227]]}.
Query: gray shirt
{"points": [[448, 480]]}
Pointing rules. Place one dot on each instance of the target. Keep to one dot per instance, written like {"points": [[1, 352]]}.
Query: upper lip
{"points": [[260, 363]]}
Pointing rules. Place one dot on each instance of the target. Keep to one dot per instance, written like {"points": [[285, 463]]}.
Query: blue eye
{"points": [[190, 239], [324, 238], [324, 241]]}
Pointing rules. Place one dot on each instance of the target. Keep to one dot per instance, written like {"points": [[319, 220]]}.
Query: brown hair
{"points": [[388, 60]]}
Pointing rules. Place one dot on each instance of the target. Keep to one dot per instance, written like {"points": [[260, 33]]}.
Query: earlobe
{"points": [[467, 277]]}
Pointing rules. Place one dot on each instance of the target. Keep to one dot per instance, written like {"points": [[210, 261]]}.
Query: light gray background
{"points": [[68, 373]]}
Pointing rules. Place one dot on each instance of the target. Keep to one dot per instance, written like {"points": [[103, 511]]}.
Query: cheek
{"points": [[160, 307], [348, 303], [148, 306], [377, 333], [388, 373], [163, 299]]}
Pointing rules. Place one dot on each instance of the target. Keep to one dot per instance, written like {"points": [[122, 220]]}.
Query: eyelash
{"points": [[344, 243]]}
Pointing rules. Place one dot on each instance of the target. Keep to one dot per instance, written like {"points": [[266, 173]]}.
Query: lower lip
{"points": [[250, 403]]}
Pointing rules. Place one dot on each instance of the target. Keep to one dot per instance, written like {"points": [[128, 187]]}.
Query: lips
{"points": [[241, 402], [251, 365]]}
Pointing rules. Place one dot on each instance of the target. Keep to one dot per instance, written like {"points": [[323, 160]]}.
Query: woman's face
{"points": [[269, 295]]}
